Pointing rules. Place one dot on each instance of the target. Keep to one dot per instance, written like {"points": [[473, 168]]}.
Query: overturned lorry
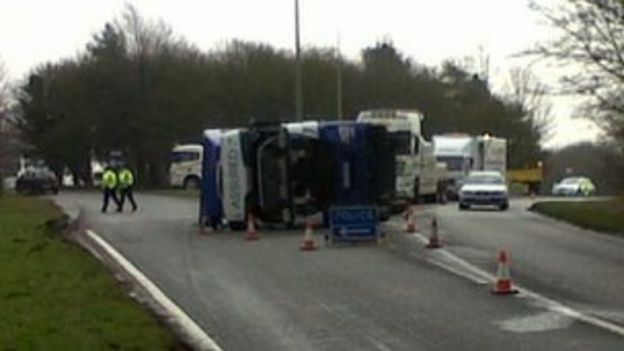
{"points": [[285, 173]]}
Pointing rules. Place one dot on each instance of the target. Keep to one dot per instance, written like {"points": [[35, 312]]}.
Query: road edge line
{"points": [[196, 336]]}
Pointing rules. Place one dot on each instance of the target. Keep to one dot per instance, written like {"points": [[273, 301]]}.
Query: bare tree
{"points": [[526, 91], [4, 90], [590, 40]]}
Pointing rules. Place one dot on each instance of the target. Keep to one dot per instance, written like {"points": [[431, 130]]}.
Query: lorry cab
{"points": [[267, 170], [457, 152], [286, 184], [415, 162], [186, 166]]}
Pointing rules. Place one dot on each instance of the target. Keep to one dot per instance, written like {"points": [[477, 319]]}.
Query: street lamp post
{"points": [[298, 92], [338, 80]]}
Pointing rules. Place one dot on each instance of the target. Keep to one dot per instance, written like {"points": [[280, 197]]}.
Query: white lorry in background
{"points": [[417, 175], [186, 166], [465, 153]]}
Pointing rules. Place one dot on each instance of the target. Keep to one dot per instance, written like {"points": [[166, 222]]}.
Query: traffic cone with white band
{"points": [[252, 233], [308, 243], [434, 240], [410, 220], [503, 285]]}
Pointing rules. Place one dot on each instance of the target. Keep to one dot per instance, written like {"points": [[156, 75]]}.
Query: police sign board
{"points": [[354, 223]]}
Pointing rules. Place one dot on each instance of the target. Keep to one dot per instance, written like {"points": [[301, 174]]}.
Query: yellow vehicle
{"points": [[531, 178]]}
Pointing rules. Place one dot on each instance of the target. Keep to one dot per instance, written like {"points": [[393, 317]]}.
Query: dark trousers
{"points": [[108, 194], [126, 193]]}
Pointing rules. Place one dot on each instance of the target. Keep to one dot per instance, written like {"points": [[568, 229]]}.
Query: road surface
{"points": [[268, 295], [579, 267]]}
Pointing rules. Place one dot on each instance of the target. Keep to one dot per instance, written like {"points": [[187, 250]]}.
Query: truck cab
{"points": [[416, 174], [186, 166], [289, 169]]}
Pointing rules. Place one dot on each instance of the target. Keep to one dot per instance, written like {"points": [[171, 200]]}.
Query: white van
{"points": [[186, 166]]}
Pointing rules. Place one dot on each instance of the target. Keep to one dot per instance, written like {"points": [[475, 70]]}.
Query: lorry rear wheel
{"points": [[191, 183]]}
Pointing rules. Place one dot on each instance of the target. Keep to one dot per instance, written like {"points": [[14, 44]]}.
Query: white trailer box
{"points": [[465, 153]]}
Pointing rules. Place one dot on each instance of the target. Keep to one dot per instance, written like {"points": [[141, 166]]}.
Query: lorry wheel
{"points": [[237, 226], [191, 183]]}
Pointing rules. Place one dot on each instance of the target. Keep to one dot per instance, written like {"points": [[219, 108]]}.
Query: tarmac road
{"points": [[268, 295], [582, 268]]}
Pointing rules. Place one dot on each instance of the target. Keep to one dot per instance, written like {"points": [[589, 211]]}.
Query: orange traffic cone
{"points": [[252, 234], [503, 284], [308, 243], [410, 220], [434, 240]]}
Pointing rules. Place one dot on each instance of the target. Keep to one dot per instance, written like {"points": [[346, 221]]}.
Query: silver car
{"points": [[484, 188], [574, 186]]}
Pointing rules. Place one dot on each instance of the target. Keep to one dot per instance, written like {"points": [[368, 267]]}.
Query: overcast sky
{"points": [[35, 31]]}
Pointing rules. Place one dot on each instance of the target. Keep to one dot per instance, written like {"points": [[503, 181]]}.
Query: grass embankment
{"points": [[602, 216], [55, 296]]}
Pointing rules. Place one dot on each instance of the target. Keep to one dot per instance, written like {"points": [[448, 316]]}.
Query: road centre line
{"points": [[197, 336]]}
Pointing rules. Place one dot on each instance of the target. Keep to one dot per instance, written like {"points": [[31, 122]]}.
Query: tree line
{"points": [[139, 88], [9, 144]]}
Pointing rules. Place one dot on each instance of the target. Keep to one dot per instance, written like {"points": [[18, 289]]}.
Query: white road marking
{"points": [[539, 322], [198, 338], [458, 272], [460, 267]]}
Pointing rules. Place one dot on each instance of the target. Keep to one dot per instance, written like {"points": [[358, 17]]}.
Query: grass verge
{"points": [[602, 216], [55, 296]]}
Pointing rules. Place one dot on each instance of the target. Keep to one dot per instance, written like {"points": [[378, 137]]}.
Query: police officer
{"points": [[126, 185], [109, 187]]}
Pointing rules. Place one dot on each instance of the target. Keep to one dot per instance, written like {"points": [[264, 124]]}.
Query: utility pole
{"points": [[338, 80], [298, 92]]}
